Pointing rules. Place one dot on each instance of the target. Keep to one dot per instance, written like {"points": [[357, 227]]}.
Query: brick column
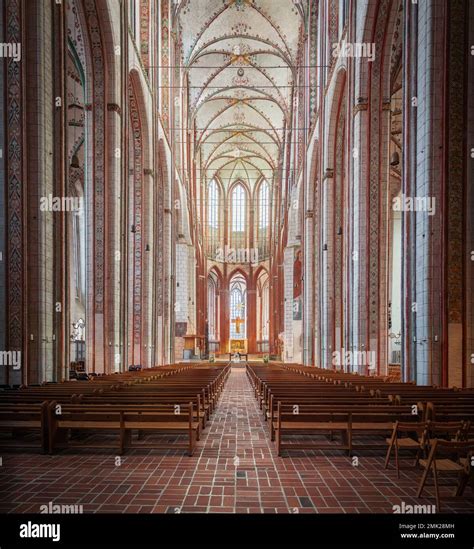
{"points": [[38, 110]]}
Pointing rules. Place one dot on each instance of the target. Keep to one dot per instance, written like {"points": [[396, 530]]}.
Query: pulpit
{"points": [[194, 346]]}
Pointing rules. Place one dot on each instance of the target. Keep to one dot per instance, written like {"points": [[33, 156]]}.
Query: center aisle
{"points": [[248, 473], [236, 445]]}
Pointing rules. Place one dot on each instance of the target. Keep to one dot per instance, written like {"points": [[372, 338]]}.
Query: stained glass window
{"points": [[213, 205], [213, 229], [263, 216], [263, 205], [238, 208], [238, 305]]}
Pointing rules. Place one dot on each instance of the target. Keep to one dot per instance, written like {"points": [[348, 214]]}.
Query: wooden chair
{"points": [[401, 440], [468, 464], [459, 461], [455, 431]]}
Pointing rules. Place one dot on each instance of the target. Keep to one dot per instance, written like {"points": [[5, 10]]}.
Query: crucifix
{"points": [[238, 321]]}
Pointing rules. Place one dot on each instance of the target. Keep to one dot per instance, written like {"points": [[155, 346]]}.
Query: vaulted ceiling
{"points": [[239, 57]]}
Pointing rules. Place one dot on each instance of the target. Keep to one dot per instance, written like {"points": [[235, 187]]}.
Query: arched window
{"points": [[263, 216], [213, 205], [263, 205], [238, 208], [213, 199], [238, 307]]}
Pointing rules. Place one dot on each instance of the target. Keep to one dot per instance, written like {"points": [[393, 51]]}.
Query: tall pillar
{"points": [[424, 178], [288, 266], [252, 313], [149, 249], [38, 109], [308, 269], [469, 208], [224, 312], [114, 280], [327, 301], [358, 254]]}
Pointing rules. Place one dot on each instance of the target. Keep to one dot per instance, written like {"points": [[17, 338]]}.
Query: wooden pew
{"points": [[122, 419], [150, 391], [17, 419], [199, 411], [316, 420], [352, 404]]}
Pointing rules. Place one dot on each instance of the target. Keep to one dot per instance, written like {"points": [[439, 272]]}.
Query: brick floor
{"points": [[235, 469]]}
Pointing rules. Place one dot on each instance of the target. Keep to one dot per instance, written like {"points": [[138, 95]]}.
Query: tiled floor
{"points": [[234, 469]]}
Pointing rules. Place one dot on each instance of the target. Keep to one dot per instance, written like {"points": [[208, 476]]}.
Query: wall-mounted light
{"points": [[325, 248], [395, 159], [147, 248], [133, 230], [339, 231]]}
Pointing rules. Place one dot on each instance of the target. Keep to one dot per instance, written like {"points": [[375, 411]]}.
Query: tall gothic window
{"points": [[213, 205], [238, 306], [263, 213], [238, 217], [213, 199], [263, 204]]}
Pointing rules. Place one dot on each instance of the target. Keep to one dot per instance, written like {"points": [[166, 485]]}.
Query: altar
{"points": [[238, 346]]}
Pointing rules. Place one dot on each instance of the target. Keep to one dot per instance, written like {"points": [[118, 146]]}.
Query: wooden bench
{"points": [[199, 411], [314, 420], [18, 419], [161, 419], [156, 393]]}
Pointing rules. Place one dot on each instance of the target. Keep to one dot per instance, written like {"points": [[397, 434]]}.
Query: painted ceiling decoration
{"points": [[239, 58]]}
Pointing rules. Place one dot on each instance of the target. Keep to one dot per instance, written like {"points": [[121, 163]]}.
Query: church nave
{"points": [[236, 270]]}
